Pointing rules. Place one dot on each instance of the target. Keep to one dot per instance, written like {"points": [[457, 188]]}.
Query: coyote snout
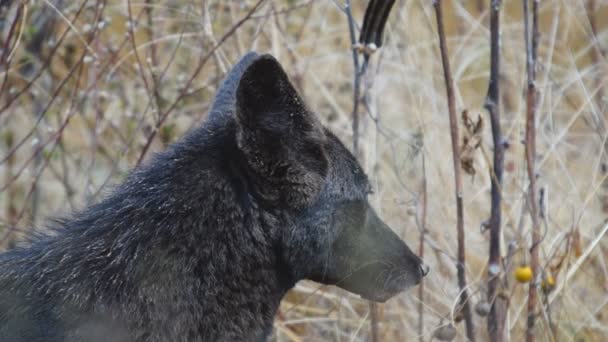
{"points": [[368, 258]]}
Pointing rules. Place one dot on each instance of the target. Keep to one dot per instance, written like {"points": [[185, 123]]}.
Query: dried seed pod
{"points": [[548, 283], [482, 308], [445, 333]]}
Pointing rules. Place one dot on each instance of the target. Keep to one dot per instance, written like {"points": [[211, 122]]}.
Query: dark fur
{"points": [[202, 242]]}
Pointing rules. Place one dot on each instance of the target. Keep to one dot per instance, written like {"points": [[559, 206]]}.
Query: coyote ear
{"points": [[267, 100], [280, 138]]}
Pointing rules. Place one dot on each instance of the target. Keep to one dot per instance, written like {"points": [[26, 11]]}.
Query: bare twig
{"points": [[357, 80], [449, 85], [531, 53], [421, 252], [11, 210], [53, 97], [5, 59], [373, 309], [198, 69], [40, 146], [356, 97], [598, 56], [43, 68], [375, 19], [132, 24], [496, 318], [370, 39]]}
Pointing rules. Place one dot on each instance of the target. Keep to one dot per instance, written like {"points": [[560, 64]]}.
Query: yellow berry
{"points": [[523, 274], [548, 283]]}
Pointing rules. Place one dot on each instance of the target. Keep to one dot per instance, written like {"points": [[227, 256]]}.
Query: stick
{"points": [[449, 86], [531, 50], [370, 39], [359, 70], [496, 318], [423, 215], [357, 81]]}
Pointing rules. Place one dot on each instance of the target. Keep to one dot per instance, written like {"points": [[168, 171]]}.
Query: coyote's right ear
{"points": [[281, 139]]}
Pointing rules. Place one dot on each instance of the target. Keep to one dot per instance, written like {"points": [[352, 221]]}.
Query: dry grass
{"points": [[106, 94]]}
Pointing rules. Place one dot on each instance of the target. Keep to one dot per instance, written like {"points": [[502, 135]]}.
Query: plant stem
{"points": [[357, 81], [422, 227], [496, 318], [531, 53], [449, 85]]}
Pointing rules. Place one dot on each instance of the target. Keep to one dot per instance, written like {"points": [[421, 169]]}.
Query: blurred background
{"points": [[91, 88]]}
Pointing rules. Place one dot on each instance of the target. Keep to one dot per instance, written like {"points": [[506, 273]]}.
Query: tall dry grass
{"points": [[91, 88]]}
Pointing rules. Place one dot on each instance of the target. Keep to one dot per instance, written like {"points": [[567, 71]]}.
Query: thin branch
{"points": [[359, 70], [4, 57], [198, 69], [531, 53], [357, 80], [496, 318], [41, 70], [598, 53], [11, 208], [449, 86], [422, 227], [598, 56]]}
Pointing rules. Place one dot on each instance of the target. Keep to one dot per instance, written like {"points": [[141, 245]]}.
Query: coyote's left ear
{"points": [[281, 139]]}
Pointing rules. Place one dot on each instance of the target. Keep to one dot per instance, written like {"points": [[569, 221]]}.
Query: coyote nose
{"points": [[424, 269]]}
